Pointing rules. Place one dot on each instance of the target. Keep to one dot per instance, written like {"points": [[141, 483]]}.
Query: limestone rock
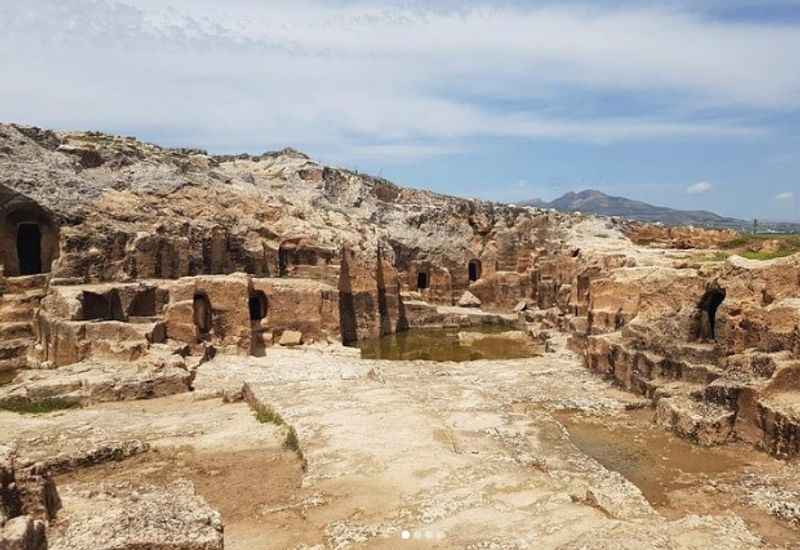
{"points": [[92, 382], [28, 498], [23, 533], [472, 338], [702, 423], [468, 299], [291, 338], [126, 516]]}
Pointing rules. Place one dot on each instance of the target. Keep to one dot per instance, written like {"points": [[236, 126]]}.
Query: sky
{"points": [[690, 104]]}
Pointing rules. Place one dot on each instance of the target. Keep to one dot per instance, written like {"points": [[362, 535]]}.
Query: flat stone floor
{"points": [[418, 455]]}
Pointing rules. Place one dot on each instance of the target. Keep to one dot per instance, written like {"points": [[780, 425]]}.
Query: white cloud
{"points": [[699, 188], [380, 79], [787, 196]]}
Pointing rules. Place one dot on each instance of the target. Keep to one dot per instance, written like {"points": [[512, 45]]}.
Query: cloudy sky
{"points": [[693, 104]]}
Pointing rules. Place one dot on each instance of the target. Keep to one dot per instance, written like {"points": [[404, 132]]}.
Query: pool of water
{"points": [[444, 345], [7, 376], [651, 458]]}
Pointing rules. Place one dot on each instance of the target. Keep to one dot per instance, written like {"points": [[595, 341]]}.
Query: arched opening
{"points": [[258, 306], [708, 305], [422, 280], [29, 248], [474, 270], [202, 313]]}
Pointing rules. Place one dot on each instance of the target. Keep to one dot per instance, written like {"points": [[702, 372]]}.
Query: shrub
{"points": [[267, 415]]}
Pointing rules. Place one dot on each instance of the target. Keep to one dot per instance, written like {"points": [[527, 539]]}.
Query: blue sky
{"points": [[686, 104]]}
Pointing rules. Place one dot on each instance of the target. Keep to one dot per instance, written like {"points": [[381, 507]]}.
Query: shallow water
{"points": [[651, 458], [443, 345]]}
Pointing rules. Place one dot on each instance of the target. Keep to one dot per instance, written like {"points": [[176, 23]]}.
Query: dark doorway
{"points": [[143, 304], [29, 248], [422, 280], [101, 307], [708, 305], [96, 307], [202, 313], [474, 270], [258, 306], [283, 262]]}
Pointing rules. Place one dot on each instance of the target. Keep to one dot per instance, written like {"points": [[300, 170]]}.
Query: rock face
{"points": [[130, 517], [124, 266], [714, 348], [113, 248], [23, 533], [142, 244], [28, 499]]}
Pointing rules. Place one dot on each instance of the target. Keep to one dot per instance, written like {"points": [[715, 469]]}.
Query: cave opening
{"points": [[202, 313], [29, 248], [474, 270], [258, 306], [708, 306], [422, 280]]}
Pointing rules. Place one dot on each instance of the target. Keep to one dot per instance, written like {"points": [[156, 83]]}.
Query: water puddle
{"points": [[675, 476], [7, 376], [445, 345], [651, 458]]}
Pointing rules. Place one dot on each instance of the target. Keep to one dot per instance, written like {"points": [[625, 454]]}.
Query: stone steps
{"points": [[662, 389], [17, 285], [779, 420], [18, 304], [13, 354], [13, 331], [698, 421], [13, 364], [9, 349], [16, 313]]}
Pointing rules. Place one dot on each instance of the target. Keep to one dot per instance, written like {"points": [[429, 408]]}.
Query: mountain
{"points": [[595, 202]]}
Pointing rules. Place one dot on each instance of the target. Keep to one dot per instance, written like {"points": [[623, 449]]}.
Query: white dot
{"points": [[405, 535]]}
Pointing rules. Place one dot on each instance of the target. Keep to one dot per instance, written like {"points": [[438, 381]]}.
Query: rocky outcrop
{"points": [[28, 500], [121, 210], [713, 347], [87, 383], [127, 516], [145, 247]]}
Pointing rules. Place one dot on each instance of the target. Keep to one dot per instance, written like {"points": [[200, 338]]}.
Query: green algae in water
{"points": [[443, 345]]}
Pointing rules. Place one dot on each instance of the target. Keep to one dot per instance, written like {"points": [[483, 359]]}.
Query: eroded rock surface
{"points": [[128, 516], [164, 283]]}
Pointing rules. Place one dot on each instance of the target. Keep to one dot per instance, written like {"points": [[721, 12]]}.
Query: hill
{"points": [[595, 202]]}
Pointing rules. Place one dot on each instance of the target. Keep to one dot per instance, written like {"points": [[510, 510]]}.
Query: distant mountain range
{"points": [[595, 202]]}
